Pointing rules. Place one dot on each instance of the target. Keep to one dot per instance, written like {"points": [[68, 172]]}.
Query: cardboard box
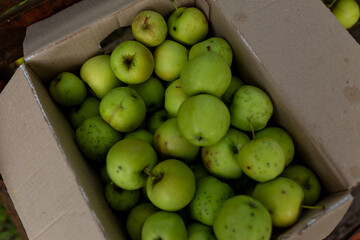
{"points": [[294, 50]]}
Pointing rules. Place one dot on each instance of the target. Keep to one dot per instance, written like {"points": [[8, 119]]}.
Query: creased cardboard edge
{"points": [[339, 207], [28, 79]]}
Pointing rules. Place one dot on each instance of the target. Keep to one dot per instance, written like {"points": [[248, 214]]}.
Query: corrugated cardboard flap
{"points": [[80, 37], [312, 75], [57, 189]]}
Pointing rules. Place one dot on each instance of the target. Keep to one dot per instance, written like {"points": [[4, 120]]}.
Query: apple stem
{"points": [[252, 129], [173, 1], [313, 207], [331, 4], [148, 172]]}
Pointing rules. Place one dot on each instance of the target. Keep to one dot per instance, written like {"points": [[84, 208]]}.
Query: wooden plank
{"points": [[9, 206], [13, 25]]}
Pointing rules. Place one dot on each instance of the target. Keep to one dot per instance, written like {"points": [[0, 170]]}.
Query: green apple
{"points": [[149, 28], [88, 108], [127, 160], [170, 143], [283, 138], [136, 218], [95, 137], [209, 198], [123, 109], [188, 25], [170, 57], [347, 12], [156, 119], [283, 198], [141, 134], [221, 159], [215, 44], [199, 170], [174, 97], [66, 89], [164, 225], [152, 92], [262, 159], [242, 217], [132, 62], [251, 108], [235, 84], [207, 73], [203, 119], [307, 179], [98, 75], [171, 185], [120, 199], [199, 231]]}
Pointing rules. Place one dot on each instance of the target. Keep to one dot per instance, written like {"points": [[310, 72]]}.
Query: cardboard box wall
{"points": [[295, 50]]}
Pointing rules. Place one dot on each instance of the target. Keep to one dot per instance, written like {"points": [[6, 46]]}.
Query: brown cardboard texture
{"points": [[295, 50]]}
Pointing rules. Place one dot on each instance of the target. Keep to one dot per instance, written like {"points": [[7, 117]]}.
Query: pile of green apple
{"points": [[184, 147]]}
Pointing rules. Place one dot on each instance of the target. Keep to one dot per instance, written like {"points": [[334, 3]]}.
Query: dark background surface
{"points": [[16, 15]]}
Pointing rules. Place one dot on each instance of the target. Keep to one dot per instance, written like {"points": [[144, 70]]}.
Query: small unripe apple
{"points": [[170, 143], [149, 28], [121, 199], [203, 119], [152, 92], [127, 160], [164, 225], [98, 75], [132, 62], [88, 108], [170, 57], [67, 89], [95, 137], [174, 97], [347, 12], [136, 218], [188, 25], [123, 109], [171, 185], [141, 134]]}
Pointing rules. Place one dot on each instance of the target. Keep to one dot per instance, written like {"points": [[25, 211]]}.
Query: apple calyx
{"points": [[129, 61], [200, 139], [234, 150]]}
